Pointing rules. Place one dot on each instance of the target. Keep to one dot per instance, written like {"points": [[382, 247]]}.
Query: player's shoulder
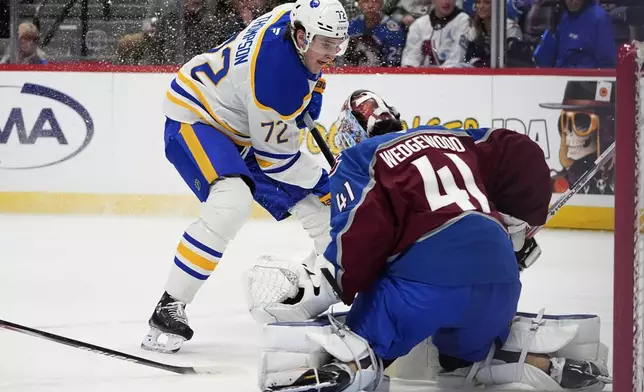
{"points": [[364, 152], [279, 79], [357, 26], [462, 17]]}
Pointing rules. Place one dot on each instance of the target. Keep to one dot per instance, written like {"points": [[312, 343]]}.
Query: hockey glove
{"points": [[526, 250], [528, 254], [286, 291], [322, 190], [315, 104]]}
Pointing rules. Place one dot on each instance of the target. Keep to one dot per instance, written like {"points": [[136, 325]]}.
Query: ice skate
{"points": [[573, 374], [168, 326]]}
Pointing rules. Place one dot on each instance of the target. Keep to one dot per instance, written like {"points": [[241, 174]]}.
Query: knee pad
{"points": [[315, 218], [227, 207]]}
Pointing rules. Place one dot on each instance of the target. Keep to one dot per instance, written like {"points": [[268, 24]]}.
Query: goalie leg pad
{"points": [[291, 349], [574, 337]]}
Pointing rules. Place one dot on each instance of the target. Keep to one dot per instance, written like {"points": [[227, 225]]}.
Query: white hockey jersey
{"points": [[437, 42], [251, 88]]}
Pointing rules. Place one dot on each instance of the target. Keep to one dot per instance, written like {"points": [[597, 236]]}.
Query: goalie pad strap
{"points": [[573, 336], [291, 348]]}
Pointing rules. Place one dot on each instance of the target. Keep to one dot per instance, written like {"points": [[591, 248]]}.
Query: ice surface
{"points": [[97, 279]]}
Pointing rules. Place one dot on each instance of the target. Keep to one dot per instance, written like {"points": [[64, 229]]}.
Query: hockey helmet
{"points": [[323, 18], [365, 114]]}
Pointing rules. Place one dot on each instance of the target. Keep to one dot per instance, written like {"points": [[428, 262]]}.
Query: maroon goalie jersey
{"points": [[394, 194]]}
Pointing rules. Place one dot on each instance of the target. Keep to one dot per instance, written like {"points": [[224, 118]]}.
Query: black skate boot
{"points": [[573, 374], [168, 326]]}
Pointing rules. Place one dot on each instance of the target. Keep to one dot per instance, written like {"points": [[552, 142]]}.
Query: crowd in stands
{"points": [[388, 33]]}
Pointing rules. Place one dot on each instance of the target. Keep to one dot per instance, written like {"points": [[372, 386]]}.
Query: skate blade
{"points": [[162, 342], [300, 388]]}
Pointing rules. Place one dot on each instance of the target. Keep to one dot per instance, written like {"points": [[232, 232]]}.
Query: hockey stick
{"points": [[330, 158], [326, 151], [106, 351], [576, 187]]}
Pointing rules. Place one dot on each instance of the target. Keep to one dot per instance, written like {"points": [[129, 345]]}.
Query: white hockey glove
{"points": [[526, 250], [282, 290]]}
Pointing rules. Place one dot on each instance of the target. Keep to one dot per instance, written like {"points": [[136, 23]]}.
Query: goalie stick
{"points": [[109, 352], [576, 187]]}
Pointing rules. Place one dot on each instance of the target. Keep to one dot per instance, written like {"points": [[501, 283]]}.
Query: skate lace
{"points": [[177, 311]]}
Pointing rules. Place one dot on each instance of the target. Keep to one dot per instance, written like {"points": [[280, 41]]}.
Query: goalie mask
{"points": [[365, 114]]}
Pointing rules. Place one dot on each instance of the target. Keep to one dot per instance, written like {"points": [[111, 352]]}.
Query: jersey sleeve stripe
{"points": [[204, 118], [197, 151], [284, 167], [272, 155], [347, 226], [184, 79], [263, 163], [178, 102], [182, 92]]}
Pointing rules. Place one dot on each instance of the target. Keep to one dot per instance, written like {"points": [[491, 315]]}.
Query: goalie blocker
{"points": [[543, 352]]}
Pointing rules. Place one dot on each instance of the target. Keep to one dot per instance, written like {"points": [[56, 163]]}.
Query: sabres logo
{"points": [[314, 3]]}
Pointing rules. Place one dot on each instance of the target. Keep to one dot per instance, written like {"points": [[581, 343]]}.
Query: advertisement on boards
{"points": [[58, 135], [54, 132]]}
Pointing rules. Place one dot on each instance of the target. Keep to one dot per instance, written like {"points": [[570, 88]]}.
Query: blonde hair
{"points": [[29, 30]]}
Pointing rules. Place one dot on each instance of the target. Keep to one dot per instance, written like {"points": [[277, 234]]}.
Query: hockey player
{"points": [[232, 132], [424, 228]]}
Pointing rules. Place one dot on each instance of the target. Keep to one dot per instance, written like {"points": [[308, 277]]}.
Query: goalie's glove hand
{"points": [[526, 250], [310, 295], [527, 255]]}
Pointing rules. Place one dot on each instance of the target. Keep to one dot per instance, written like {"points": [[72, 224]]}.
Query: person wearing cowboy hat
{"points": [[587, 127]]}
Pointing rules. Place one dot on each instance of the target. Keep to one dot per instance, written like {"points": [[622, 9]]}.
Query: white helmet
{"points": [[326, 18]]}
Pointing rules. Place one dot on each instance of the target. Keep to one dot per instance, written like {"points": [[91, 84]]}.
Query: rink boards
{"points": [[91, 142]]}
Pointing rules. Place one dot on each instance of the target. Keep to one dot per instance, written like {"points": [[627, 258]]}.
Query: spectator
{"points": [[635, 20], [582, 39], [478, 52], [407, 11], [201, 32], [540, 17], [352, 10], [138, 48], [29, 51], [376, 39], [439, 38], [242, 13]]}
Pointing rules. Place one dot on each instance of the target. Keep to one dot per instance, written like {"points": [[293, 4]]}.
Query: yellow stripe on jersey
{"points": [[187, 106], [263, 163], [183, 78], [195, 258], [197, 151], [253, 61], [197, 111]]}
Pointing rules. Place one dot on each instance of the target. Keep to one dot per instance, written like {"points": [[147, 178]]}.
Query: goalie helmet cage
{"points": [[628, 300]]}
